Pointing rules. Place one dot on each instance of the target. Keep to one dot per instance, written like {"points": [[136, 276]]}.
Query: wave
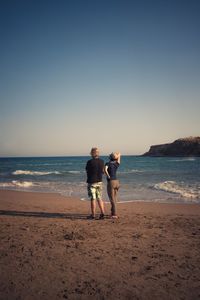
{"points": [[183, 159], [16, 183], [130, 171], [173, 187], [74, 172], [36, 173]]}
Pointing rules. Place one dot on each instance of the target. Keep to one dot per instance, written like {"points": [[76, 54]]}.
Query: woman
{"points": [[112, 181]]}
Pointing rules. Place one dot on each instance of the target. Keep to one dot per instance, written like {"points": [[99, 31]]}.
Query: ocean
{"points": [[153, 179]]}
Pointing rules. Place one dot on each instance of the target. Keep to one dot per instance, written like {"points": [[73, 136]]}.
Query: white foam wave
{"points": [[183, 159], [173, 187], [74, 172], [16, 183], [130, 171], [36, 173]]}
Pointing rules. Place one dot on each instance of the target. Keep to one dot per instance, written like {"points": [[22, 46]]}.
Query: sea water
{"points": [[154, 179]]}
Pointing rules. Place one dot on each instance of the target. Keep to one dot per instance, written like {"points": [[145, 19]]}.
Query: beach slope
{"points": [[49, 250]]}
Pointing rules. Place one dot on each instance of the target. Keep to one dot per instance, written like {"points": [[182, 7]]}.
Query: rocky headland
{"points": [[189, 146]]}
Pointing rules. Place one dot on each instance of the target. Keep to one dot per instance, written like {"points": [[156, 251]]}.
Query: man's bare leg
{"points": [[93, 207], [101, 206]]}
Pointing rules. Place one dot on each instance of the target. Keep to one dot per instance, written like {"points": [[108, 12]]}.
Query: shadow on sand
{"points": [[15, 213]]}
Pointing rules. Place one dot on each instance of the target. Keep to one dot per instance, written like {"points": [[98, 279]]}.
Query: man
{"points": [[95, 169]]}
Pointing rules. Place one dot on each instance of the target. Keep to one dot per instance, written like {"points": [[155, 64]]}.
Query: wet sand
{"points": [[49, 250]]}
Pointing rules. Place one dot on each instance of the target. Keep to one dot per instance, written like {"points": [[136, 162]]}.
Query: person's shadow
{"points": [[35, 214]]}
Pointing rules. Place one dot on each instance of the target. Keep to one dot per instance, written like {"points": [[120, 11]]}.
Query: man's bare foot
{"points": [[101, 217], [91, 217]]}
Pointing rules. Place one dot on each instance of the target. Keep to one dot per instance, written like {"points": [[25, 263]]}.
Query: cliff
{"points": [[182, 147]]}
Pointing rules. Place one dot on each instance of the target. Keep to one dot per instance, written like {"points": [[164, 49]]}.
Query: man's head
{"points": [[94, 152]]}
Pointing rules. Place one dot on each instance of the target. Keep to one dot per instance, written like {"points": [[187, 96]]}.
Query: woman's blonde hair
{"points": [[113, 156]]}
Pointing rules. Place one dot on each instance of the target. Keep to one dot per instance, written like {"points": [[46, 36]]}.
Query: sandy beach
{"points": [[49, 250]]}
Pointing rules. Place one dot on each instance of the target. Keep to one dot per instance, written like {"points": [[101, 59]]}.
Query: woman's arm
{"points": [[118, 156], [106, 171]]}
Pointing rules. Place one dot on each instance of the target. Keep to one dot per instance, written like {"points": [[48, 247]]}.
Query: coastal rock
{"points": [[189, 146]]}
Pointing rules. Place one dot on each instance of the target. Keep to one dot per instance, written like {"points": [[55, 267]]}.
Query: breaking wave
{"points": [[16, 183], [36, 173], [183, 159], [173, 187], [130, 171]]}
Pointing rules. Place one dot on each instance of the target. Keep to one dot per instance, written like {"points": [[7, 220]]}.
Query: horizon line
{"points": [[53, 156]]}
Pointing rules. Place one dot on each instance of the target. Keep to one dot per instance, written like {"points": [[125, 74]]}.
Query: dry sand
{"points": [[49, 250]]}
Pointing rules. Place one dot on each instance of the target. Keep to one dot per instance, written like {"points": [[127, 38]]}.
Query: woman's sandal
{"points": [[114, 217]]}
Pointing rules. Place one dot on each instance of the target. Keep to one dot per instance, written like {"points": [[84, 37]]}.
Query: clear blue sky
{"points": [[120, 75]]}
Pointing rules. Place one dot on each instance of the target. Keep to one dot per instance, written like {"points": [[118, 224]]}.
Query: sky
{"points": [[120, 75]]}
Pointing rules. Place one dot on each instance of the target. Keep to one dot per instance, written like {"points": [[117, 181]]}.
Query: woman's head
{"points": [[113, 156], [94, 152]]}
